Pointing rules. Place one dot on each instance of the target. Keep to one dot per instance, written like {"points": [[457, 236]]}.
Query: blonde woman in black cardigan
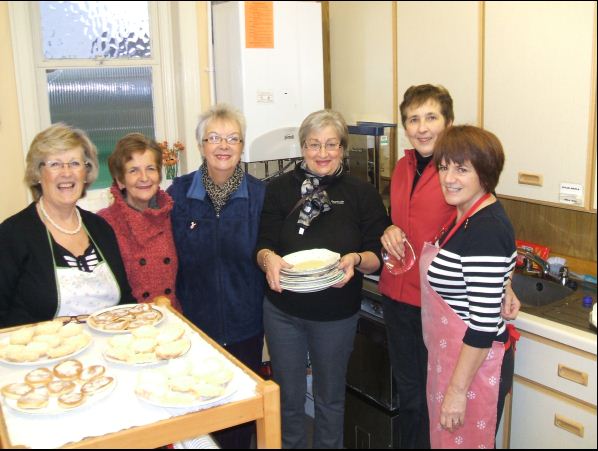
{"points": [[55, 258]]}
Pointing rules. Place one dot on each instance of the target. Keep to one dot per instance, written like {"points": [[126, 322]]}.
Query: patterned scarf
{"points": [[219, 195], [314, 198]]}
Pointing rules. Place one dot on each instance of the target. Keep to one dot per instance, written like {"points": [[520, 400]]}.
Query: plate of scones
{"points": [[148, 345], [187, 383], [43, 343], [63, 387], [122, 319]]}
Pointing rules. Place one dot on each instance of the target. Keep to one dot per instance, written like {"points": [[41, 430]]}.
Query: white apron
{"points": [[82, 293]]}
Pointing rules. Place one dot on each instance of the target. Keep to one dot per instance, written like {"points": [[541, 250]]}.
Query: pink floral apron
{"points": [[443, 332]]}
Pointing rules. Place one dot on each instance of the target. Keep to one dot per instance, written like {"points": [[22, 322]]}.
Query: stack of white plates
{"points": [[313, 270]]}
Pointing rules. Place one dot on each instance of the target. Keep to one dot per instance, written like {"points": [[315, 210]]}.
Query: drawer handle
{"points": [[568, 425], [570, 374]]}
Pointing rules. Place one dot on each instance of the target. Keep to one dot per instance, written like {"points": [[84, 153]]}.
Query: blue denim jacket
{"points": [[219, 284]]}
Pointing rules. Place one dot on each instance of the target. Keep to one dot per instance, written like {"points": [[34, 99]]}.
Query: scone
{"points": [[22, 336], [92, 372], [19, 353], [220, 377], [59, 387], [53, 340], [145, 332], [71, 400], [16, 390], [170, 333], [173, 349], [206, 366], [33, 401], [61, 350], [205, 391], [120, 341], [143, 345], [70, 329], [97, 385], [122, 354], [181, 383], [68, 370], [79, 341], [48, 327], [119, 324], [39, 377], [39, 347]]}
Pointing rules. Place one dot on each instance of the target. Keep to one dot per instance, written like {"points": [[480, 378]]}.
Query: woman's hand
{"points": [[452, 410], [510, 304], [392, 240], [272, 264], [347, 265]]}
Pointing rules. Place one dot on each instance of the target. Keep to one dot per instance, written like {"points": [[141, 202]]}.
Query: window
{"points": [[107, 101], [108, 68]]}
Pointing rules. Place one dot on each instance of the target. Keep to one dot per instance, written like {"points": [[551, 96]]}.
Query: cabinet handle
{"points": [[568, 425], [570, 374]]}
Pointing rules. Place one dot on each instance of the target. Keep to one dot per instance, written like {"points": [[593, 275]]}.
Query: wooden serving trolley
{"points": [[263, 407]]}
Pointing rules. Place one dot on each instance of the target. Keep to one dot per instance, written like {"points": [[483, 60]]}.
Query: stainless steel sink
{"points": [[536, 292]]}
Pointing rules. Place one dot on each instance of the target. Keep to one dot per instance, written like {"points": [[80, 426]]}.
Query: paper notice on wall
{"points": [[259, 25], [571, 194]]}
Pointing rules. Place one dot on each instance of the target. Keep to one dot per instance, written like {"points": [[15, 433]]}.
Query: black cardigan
{"points": [[28, 291], [355, 224]]}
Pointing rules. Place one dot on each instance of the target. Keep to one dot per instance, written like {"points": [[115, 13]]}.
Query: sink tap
{"points": [[544, 273], [530, 258]]}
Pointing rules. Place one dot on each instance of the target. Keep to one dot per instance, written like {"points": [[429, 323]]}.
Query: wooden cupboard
{"points": [[539, 97]]}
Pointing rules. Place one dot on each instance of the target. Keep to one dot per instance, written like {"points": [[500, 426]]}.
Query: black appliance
{"points": [[371, 415]]}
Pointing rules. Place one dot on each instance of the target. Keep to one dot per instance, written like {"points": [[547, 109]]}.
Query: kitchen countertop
{"points": [[559, 321]]}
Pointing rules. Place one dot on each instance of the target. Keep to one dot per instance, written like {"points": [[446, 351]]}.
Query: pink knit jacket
{"points": [[146, 245]]}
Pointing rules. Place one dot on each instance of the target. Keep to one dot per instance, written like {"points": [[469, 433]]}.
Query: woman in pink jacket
{"points": [[140, 217], [418, 212]]}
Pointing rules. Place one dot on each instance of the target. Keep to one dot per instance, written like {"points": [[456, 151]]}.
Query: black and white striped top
{"points": [[86, 262], [471, 271]]}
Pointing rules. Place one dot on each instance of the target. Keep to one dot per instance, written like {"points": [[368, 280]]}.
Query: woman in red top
{"points": [[140, 217], [418, 212]]}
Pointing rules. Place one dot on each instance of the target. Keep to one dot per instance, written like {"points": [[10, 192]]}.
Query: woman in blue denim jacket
{"points": [[215, 223]]}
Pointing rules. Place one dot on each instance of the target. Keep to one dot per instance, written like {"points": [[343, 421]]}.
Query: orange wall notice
{"points": [[259, 25]]}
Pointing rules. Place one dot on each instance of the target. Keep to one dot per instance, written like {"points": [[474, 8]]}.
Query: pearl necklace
{"points": [[51, 221]]}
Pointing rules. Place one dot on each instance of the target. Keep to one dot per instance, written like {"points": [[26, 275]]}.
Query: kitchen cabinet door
{"points": [[545, 419], [539, 97]]}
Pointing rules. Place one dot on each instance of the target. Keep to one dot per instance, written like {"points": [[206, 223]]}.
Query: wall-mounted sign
{"points": [[571, 194], [259, 25]]}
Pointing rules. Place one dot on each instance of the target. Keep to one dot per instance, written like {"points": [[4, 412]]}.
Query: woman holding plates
{"points": [[317, 206]]}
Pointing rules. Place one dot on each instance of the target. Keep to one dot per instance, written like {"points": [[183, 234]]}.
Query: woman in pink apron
{"points": [[463, 278]]}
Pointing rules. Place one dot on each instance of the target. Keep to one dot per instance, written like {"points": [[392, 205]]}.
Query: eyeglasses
{"points": [[232, 140], [79, 319], [56, 165], [315, 146]]}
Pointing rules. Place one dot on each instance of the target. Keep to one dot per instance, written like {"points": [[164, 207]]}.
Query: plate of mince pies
{"points": [[121, 319], [63, 387], [43, 343]]}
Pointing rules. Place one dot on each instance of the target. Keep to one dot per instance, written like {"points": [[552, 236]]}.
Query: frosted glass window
{"points": [[95, 29], [106, 102]]}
